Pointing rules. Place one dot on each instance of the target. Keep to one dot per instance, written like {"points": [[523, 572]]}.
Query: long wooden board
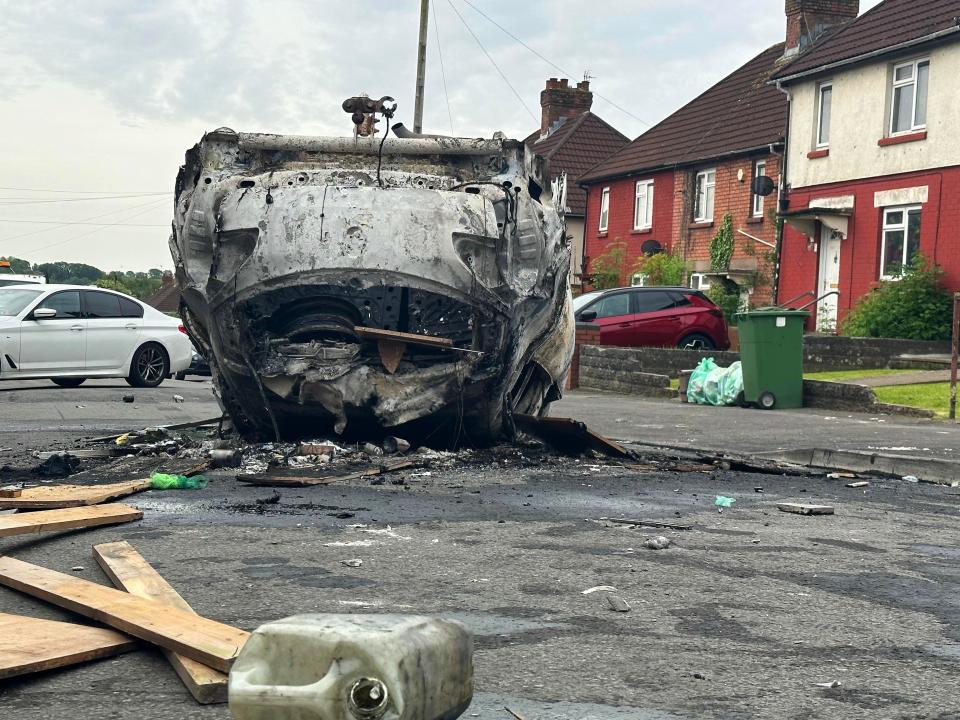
{"points": [[128, 570], [199, 638], [47, 497], [30, 645], [67, 519], [378, 334], [267, 480]]}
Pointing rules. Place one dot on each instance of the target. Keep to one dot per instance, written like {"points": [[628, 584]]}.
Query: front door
{"points": [[829, 280]]}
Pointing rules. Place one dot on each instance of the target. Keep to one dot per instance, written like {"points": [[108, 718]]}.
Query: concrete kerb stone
{"points": [[931, 470]]}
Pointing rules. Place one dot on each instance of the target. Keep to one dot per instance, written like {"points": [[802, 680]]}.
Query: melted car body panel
{"points": [[285, 245]]}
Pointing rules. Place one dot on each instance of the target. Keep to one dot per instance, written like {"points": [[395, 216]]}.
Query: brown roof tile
{"points": [[741, 112], [166, 299], [578, 144], [886, 25]]}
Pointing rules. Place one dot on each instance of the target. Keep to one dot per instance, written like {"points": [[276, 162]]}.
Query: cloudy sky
{"points": [[99, 99]]}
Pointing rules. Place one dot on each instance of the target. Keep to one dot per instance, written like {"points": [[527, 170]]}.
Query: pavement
{"points": [[920, 377], [745, 431], [740, 617]]}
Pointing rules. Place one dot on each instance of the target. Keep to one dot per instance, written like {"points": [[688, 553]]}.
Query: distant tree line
{"points": [[139, 284]]}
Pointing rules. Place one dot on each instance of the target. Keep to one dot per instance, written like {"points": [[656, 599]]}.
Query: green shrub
{"points": [[663, 268], [607, 267], [721, 245], [726, 294], [915, 307]]}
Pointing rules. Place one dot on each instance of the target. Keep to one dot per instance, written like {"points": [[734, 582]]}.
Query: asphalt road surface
{"points": [[739, 618]]}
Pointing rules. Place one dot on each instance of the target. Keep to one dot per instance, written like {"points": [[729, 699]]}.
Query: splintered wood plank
{"points": [[63, 496], [267, 480], [30, 645], [128, 570], [198, 638], [378, 334], [11, 491], [805, 509], [67, 519]]}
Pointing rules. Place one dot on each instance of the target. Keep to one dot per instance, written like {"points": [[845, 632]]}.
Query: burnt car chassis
{"points": [[415, 286]]}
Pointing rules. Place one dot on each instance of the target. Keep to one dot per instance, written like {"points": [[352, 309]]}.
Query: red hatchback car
{"points": [[657, 316]]}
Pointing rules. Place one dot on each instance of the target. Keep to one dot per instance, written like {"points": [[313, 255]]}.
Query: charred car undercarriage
{"points": [[415, 286]]}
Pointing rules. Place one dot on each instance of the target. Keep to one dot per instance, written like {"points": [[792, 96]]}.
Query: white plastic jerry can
{"points": [[353, 667]]}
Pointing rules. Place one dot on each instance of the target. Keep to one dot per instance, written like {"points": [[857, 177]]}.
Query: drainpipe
{"points": [[783, 199]]}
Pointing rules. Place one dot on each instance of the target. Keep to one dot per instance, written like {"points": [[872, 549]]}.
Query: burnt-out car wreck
{"points": [[414, 286]]}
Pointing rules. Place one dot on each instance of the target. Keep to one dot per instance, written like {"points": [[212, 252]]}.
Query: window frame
{"points": [[85, 296], [604, 210], [820, 143], [702, 279], [913, 82], [40, 304], [647, 222], [904, 227], [756, 201], [699, 216]]}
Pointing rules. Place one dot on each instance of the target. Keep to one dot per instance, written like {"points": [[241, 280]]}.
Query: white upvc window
{"points": [[908, 101], [900, 240], [699, 281], [705, 191], [759, 170], [638, 280], [824, 109], [643, 206], [604, 209]]}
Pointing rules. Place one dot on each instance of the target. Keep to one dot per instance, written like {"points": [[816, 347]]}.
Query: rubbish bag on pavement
{"points": [[164, 481], [713, 385]]}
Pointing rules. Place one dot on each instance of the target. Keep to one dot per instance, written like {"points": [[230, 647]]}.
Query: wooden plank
{"points": [[48, 497], [67, 519], [648, 523], [129, 571], [378, 334], [858, 484], [10, 491], [29, 645], [805, 509], [199, 638], [568, 435], [267, 480]]}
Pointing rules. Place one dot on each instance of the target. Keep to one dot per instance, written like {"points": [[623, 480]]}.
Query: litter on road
{"points": [[805, 509], [48, 497], [858, 484], [29, 645], [617, 603], [67, 519], [207, 641], [269, 480], [129, 571]]}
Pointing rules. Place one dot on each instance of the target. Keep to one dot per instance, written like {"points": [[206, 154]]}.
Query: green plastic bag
{"points": [[163, 481], [713, 385]]}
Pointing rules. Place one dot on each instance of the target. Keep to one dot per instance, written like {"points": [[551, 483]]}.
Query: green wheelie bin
{"points": [[771, 356]]}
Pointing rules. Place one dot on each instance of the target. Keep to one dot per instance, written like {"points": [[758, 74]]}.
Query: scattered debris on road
{"points": [[647, 523], [658, 543], [805, 509], [49, 497], [617, 603], [598, 588], [858, 484]]}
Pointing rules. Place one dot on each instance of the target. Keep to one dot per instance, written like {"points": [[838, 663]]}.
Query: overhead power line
{"points": [[116, 211], [24, 201], [89, 192], [551, 63], [492, 61], [443, 73], [96, 230], [61, 222]]}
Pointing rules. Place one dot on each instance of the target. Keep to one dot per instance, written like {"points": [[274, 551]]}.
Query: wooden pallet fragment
{"points": [[805, 509], [199, 638], [67, 519], [129, 571], [29, 645], [48, 497]]}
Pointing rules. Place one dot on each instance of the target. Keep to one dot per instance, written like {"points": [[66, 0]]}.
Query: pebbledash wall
{"points": [[673, 225]]}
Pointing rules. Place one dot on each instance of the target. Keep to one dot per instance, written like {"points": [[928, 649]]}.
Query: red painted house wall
{"points": [[620, 219], [860, 251]]}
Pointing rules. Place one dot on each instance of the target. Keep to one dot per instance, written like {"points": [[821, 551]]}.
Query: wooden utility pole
{"points": [[955, 341], [421, 66]]}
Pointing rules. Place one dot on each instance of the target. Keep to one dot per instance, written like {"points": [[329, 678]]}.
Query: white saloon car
{"points": [[71, 332]]}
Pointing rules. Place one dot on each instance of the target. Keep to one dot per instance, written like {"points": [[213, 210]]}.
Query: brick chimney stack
{"points": [[807, 19], [559, 100], [166, 280]]}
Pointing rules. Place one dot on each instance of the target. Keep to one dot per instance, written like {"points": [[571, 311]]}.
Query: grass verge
{"points": [[848, 374], [932, 396]]}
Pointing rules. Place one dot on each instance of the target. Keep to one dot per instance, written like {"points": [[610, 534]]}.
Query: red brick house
{"points": [[672, 186], [166, 298], [573, 139], [873, 159]]}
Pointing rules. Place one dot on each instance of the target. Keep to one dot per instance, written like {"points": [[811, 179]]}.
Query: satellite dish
{"points": [[651, 247], [762, 185]]}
